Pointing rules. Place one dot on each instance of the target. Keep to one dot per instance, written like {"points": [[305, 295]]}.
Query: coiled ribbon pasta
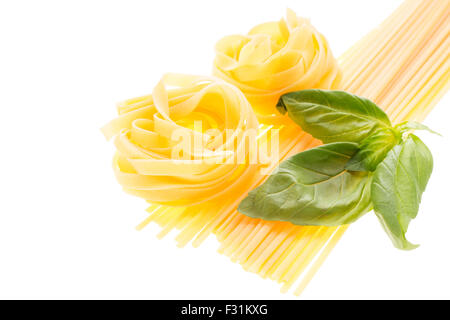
{"points": [[275, 58], [149, 162]]}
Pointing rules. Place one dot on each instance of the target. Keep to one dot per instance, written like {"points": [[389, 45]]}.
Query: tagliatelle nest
{"points": [[148, 131], [275, 58]]}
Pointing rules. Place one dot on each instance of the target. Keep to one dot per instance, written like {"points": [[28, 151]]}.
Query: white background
{"points": [[66, 227]]}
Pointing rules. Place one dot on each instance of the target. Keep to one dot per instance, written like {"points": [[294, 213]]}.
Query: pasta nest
{"points": [[275, 58], [149, 162]]}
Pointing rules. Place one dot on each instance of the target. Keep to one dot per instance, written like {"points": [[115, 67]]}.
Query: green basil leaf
{"points": [[313, 188], [333, 116], [413, 125], [373, 150], [397, 188]]}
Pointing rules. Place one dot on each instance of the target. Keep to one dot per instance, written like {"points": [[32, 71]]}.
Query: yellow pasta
{"points": [[403, 66], [148, 134], [275, 58]]}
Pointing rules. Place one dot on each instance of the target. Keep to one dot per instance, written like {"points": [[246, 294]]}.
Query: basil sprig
{"points": [[364, 164]]}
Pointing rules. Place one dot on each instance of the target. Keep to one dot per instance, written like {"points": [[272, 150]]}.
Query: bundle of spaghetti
{"points": [[403, 66], [405, 75]]}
